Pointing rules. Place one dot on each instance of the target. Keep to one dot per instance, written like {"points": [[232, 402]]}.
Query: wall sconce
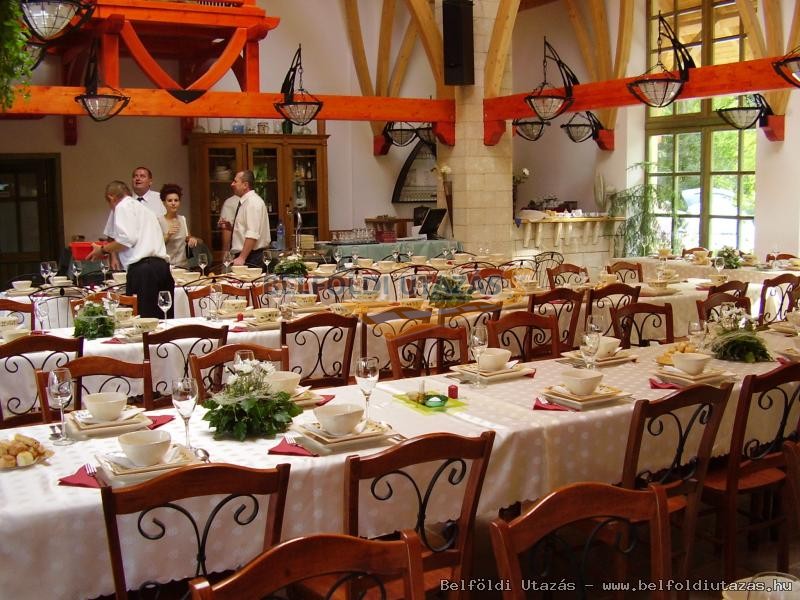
{"points": [[662, 88], [789, 67], [100, 107], [299, 106], [546, 101], [49, 19], [529, 129], [755, 107], [400, 133], [582, 126]]}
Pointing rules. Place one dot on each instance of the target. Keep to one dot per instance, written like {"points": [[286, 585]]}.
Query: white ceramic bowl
{"points": [[494, 359], [123, 313], [8, 322], [387, 264], [581, 382], [119, 276], [339, 419], [146, 447], [608, 345], [718, 278], [368, 295], [438, 262], [284, 381], [234, 304], [254, 271], [177, 270], [412, 302], [266, 314], [311, 265], [305, 299], [9, 335], [419, 259], [105, 406], [364, 262], [462, 257], [700, 254], [327, 269], [22, 284], [692, 363], [344, 310], [239, 269], [145, 324]]}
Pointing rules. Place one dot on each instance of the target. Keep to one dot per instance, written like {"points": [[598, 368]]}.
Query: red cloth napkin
{"points": [[39, 332], [113, 340], [784, 361], [80, 479], [532, 374], [239, 329], [325, 399], [287, 449], [538, 404], [159, 420], [655, 384]]}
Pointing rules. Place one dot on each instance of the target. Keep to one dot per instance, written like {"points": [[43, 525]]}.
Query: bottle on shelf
{"points": [[280, 235], [308, 170]]}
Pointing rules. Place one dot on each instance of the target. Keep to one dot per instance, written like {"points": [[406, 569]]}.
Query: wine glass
{"points": [[202, 262], [478, 341], [41, 309], [44, 269], [111, 302], [242, 356], [216, 296], [697, 330], [184, 399], [589, 346], [337, 256], [105, 266], [719, 264], [60, 388], [165, 302], [367, 379], [227, 259], [409, 253], [355, 258], [53, 270], [77, 268], [591, 324], [396, 253]]}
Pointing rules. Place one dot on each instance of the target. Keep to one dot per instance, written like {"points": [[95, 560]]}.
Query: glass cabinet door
{"points": [[264, 163], [222, 163], [305, 190]]}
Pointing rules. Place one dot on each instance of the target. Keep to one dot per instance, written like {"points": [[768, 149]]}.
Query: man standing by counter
{"points": [[138, 241], [250, 223]]}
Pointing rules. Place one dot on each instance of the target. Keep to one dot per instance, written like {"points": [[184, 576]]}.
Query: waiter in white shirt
{"points": [[138, 241], [250, 235]]}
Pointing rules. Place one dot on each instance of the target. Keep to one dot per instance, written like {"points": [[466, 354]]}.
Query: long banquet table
{"points": [[59, 544]]}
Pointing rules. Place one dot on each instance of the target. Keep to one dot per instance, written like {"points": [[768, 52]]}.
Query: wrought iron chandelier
{"points": [[400, 133], [100, 107], [547, 101], [582, 126], [49, 19], [789, 67], [299, 106], [426, 134], [754, 108], [530, 129]]}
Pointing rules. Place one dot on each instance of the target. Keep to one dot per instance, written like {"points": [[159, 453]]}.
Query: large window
{"points": [[706, 168]]}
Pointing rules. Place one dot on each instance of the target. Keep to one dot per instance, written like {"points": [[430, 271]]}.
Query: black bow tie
{"points": [[140, 199]]}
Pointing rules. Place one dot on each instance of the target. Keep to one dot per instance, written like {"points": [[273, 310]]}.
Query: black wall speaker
{"points": [[459, 66]]}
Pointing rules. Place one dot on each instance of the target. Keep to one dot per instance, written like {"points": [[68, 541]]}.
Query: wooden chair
{"points": [[335, 288], [780, 289], [329, 338], [412, 353], [179, 343], [199, 297], [636, 317], [406, 280], [489, 281], [116, 374], [609, 297], [709, 309], [626, 272], [159, 500], [453, 464], [99, 297], [754, 464], [20, 359], [779, 256], [566, 274], [528, 336], [345, 561], [214, 363], [56, 301], [686, 251], [271, 290], [614, 509], [565, 305], [791, 454], [544, 261], [469, 314], [375, 327], [23, 311], [686, 424], [735, 288]]}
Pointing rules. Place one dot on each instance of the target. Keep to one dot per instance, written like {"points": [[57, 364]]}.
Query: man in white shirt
{"points": [[250, 223], [227, 214], [142, 179], [139, 243]]}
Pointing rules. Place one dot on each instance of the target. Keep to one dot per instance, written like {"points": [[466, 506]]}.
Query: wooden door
{"points": [[31, 225]]}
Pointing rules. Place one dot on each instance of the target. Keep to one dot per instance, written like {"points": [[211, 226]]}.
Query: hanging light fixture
{"points": [[49, 19], [547, 101], [299, 106], [100, 107], [789, 67], [400, 133], [426, 134], [659, 87], [582, 126], [529, 129], [36, 51], [755, 107]]}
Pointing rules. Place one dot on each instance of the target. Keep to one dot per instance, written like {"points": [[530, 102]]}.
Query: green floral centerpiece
{"points": [[730, 257], [291, 265], [449, 291], [734, 337], [93, 322], [246, 407]]}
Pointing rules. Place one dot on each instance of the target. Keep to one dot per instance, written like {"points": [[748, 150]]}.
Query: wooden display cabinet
{"points": [[291, 173]]}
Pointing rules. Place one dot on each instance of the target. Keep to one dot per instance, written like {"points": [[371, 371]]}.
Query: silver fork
{"points": [[90, 469]]}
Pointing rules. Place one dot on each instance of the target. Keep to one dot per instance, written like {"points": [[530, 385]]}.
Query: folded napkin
{"points": [[239, 329], [539, 404], [325, 398], [113, 340], [784, 361], [40, 332], [159, 420], [80, 479], [655, 384], [532, 374], [285, 448]]}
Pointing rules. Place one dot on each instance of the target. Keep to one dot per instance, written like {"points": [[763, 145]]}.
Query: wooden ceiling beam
{"points": [[384, 47], [422, 14], [584, 39], [499, 46]]}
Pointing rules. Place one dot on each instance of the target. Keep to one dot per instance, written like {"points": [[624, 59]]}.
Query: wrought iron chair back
{"points": [[544, 261], [471, 266], [566, 274], [23, 311], [375, 327], [636, 318], [780, 290], [159, 503], [271, 290], [57, 302], [489, 281], [536, 542], [327, 341], [208, 370], [469, 314], [526, 335], [425, 349], [710, 308], [335, 288], [100, 298], [405, 280], [734, 288], [519, 263], [407, 478], [611, 296], [333, 563], [626, 272], [201, 302], [565, 304], [779, 256], [20, 359]]}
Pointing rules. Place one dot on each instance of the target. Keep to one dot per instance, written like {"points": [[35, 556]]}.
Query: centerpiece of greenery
{"points": [[734, 337], [730, 256], [449, 291], [93, 322], [291, 265], [247, 406]]}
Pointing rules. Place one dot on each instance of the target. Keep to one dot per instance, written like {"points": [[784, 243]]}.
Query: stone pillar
{"points": [[481, 175]]}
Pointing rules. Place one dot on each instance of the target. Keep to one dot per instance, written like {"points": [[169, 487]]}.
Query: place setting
{"points": [[690, 368], [581, 389], [491, 364], [21, 287], [106, 414], [607, 354]]}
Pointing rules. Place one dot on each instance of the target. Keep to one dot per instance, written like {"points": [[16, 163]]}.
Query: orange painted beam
{"points": [[223, 63], [185, 13]]}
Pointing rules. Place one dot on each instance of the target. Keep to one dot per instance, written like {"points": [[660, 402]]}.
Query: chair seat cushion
{"points": [[716, 481]]}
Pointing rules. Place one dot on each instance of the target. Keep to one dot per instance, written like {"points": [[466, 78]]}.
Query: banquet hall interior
{"points": [[483, 218]]}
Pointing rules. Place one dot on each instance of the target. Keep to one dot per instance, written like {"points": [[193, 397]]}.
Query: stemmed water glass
{"points": [[44, 269], [355, 258], [478, 341], [589, 346], [697, 330], [77, 268], [409, 253], [53, 270], [111, 302], [60, 388], [184, 399], [227, 259], [337, 256], [165, 302], [215, 295], [41, 309], [202, 262], [366, 378], [105, 266], [396, 253], [719, 264], [242, 356]]}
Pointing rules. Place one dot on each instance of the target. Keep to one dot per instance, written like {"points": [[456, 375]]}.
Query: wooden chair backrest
{"points": [[411, 355], [565, 304], [781, 288], [611, 296], [391, 321], [626, 272], [563, 274], [735, 288], [655, 315], [538, 340], [708, 309]]}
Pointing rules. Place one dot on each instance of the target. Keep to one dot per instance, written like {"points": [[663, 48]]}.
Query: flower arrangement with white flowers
{"points": [[522, 176], [733, 337]]}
